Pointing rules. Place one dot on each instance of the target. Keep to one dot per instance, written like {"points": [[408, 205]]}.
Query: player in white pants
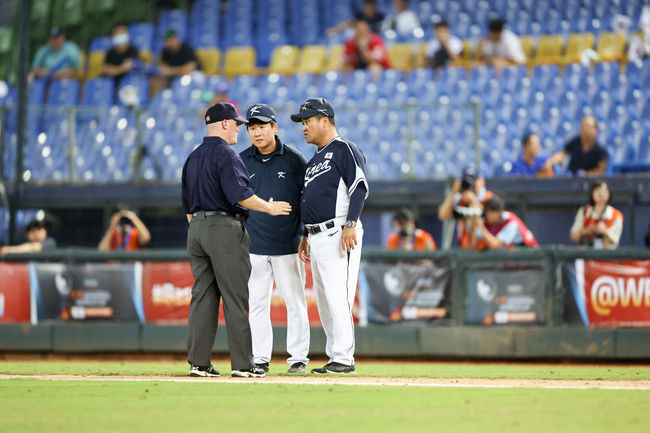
{"points": [[288, 272], [276, 171], [335, 192]]}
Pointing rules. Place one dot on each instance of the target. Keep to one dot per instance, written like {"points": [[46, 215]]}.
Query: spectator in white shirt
{"points": [[403, 21], [444, 48], [501, 47]]}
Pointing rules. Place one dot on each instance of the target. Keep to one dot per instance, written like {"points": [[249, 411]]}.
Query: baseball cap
{"points": [[312, 107], [261, 112], [55, 31], [222, 111], [169, 33]]}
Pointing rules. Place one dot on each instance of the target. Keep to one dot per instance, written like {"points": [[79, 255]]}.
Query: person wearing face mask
{"points": [[407, 236], [122, 57]]}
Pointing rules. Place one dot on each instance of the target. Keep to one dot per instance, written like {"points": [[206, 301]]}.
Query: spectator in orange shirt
{"points": [[408, 236], [125, 232], [365, 50]]}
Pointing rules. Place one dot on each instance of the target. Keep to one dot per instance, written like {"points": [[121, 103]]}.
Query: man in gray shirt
{"points": [[37, 240]]}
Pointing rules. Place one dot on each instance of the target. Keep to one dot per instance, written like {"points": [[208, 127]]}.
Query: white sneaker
{"points": [[197, 371], [251, 372]]}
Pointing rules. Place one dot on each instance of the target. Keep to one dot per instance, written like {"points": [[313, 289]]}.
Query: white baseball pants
{"points": [[335, 273], [289, 274]]}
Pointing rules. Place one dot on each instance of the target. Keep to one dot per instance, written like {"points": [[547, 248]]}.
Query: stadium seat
{"points": [[63, 92], [527, 46], [209, 60], [95, 63], [283, 59], [312, 59], [578, 42], [239, 61], [611, 46], [334, 59], [141, 36], [98, 92], [549, 50], [36, 91], [400, 56]]}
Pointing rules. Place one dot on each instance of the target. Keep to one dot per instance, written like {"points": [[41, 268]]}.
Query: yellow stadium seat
{"points": [[400, 56], [420, 56], [283, 59], [611, 46], [312, 59], [209, 60], [578, 42], [335, 59], [527, 46], [549, 50], [239, 61], [95, 63], [145, 56]]}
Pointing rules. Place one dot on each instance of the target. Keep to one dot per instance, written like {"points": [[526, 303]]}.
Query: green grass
{"points": [[28, 405], [370, 369]]}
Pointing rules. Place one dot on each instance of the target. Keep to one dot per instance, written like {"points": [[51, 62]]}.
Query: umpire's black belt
{"points": [[317, 228], [207, 213]]}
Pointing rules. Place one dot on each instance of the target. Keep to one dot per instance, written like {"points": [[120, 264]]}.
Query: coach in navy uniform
{"points": [[276, 170], [335, 192], [216, 192]]}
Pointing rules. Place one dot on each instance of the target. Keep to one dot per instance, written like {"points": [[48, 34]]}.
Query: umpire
{"points": [[216, 192]]}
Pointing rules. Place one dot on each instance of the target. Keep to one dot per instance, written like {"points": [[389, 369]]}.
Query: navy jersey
{"points": [[333, 174], [279, 175]]}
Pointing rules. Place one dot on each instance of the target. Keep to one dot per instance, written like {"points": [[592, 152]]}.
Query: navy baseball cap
{"points": [[55, 31], [312, 107], [223, 111], [262, 113]]}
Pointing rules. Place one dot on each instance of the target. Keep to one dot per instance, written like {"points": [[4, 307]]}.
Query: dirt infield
{"points": [[367, 381]]}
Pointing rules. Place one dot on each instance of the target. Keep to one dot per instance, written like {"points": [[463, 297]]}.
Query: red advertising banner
{"points": [[617, 293], [14, 293], [167, 290]]}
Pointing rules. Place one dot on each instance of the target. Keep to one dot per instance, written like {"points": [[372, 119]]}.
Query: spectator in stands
{"points": [[501, 47], [37, 240], [444, 48], [368, 13], [365, 50], [177, 58], [598, 224], [531, 163], [56, 59], [500, 228], [407, 236], [466, 200], [122, 57], [402, 20], [125, 232], [221, 95], [587, 156]]}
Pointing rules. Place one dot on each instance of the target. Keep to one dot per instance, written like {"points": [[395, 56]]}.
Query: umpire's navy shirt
{"points": [[214, 178], [281, 175]]}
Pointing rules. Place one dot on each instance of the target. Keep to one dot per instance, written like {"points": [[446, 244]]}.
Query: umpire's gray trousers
{"points": [[217, 247]]}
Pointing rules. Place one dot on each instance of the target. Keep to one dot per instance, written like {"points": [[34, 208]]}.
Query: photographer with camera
{"points": [[407, 236], [598, 225], [465, 202], [499, 228]]}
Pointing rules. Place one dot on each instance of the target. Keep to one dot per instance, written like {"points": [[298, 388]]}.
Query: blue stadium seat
{"points": [[63, 92], [98, 92], [204, 23], [142, 36], [140, 83], [101, 43], [36, 91]]}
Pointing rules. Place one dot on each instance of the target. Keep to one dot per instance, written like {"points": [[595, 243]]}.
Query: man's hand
{"points": [[470, 198], [3, 252], [278, 207], [303, 249], [116, 217], [349, 238], [456, 186]]}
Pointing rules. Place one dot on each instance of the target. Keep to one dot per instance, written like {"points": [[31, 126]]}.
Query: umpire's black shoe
{"points": [[322, 370], [251, 372], [198, 371], [297, 368], [264, 366], [338, 368]]}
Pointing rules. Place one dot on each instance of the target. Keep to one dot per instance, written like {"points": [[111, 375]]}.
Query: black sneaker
{"points": [[338, 368], [297, 368], [264, 366], [198, 371], [251, 372], [322, 370]]}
